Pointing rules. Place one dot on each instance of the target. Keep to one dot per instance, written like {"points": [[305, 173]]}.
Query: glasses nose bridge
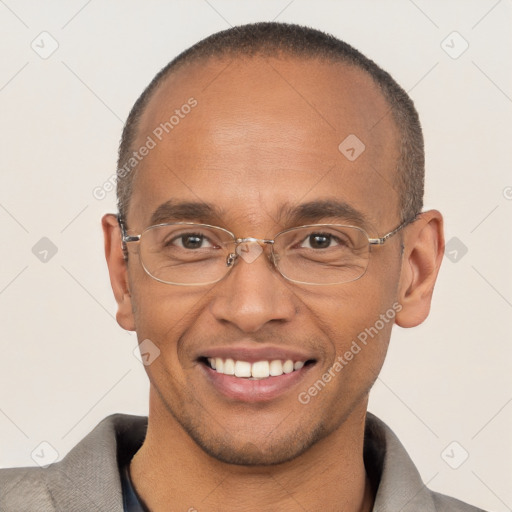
{"points": [[260, 241]]}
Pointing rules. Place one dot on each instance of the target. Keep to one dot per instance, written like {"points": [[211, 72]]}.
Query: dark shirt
{"points": [[131, 501]]}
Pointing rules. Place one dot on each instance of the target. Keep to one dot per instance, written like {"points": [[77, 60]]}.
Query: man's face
{"points": [[264, 136]]}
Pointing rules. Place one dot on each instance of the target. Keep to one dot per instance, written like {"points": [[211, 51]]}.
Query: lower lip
{"points": [[248, 390]]}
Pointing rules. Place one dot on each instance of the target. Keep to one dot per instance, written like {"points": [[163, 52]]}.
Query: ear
{"points": [[117, 268], [423, 252]]}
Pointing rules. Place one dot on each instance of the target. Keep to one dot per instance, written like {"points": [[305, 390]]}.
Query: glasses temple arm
{"points": [[380, 241]]}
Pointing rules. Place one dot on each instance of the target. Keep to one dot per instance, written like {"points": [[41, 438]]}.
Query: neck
{"points": [[170, 468]]}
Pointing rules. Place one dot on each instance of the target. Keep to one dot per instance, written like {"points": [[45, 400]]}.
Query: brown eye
{"points": [[321, 241], [190, 241], [318, 241]]}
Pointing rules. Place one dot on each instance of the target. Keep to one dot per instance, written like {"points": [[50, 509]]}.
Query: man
{"points": [[269, 235]]}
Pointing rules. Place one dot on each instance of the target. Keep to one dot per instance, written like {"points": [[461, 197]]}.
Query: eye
{"points": [[190, 241], [321, 241]]}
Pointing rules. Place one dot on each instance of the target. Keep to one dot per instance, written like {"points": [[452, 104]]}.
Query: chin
{"points": [[256, 450]]}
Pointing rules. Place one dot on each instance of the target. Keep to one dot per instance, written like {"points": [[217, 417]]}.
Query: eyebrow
{"points": [[290, 215], [321, 210], [185, 211]]}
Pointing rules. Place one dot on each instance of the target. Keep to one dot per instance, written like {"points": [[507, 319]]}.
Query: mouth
{"points": [[257, 370], [253, 378]]}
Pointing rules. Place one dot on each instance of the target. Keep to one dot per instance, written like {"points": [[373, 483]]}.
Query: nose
{"points": [[253, 293]]}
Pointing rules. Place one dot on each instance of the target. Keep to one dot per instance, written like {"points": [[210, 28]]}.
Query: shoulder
{"points": [[447, 504], [398, 482], [87, 478], [24, 489]]}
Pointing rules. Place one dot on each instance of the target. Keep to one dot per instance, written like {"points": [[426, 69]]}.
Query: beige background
{"points": [[65, 364]]}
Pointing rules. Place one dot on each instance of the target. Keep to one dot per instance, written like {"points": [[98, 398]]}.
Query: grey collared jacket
{"points": [[88, 478]]}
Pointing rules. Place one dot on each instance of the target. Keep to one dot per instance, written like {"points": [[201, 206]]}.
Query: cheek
{"points": [[358, 336], [357, 318], [162, 316], [164, 312], [359, 339]]}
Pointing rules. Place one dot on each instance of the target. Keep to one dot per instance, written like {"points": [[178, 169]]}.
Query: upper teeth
{"points": [[258, 370]]}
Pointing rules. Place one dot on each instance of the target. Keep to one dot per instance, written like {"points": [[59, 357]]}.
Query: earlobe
{"points": [[423, 253], [117, 268]]}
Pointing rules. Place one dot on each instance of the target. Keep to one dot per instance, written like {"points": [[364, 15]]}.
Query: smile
{"points": [[257, 370], [249, 373]]}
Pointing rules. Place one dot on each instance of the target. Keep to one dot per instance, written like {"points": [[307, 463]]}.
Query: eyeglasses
{"points": [[190, 254]]}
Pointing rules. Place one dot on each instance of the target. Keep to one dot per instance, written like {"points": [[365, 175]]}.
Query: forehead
{"points": [[256, 133]]}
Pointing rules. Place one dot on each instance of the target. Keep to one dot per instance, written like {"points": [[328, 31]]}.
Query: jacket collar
{"points": [[88, 477]]}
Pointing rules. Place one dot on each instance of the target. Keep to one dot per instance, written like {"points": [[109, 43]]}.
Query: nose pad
{"points": [[249, 251], [230, 259]]}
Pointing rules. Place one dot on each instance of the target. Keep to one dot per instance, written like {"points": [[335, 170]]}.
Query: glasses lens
{"points": [[322, 254], [185, 253]]}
